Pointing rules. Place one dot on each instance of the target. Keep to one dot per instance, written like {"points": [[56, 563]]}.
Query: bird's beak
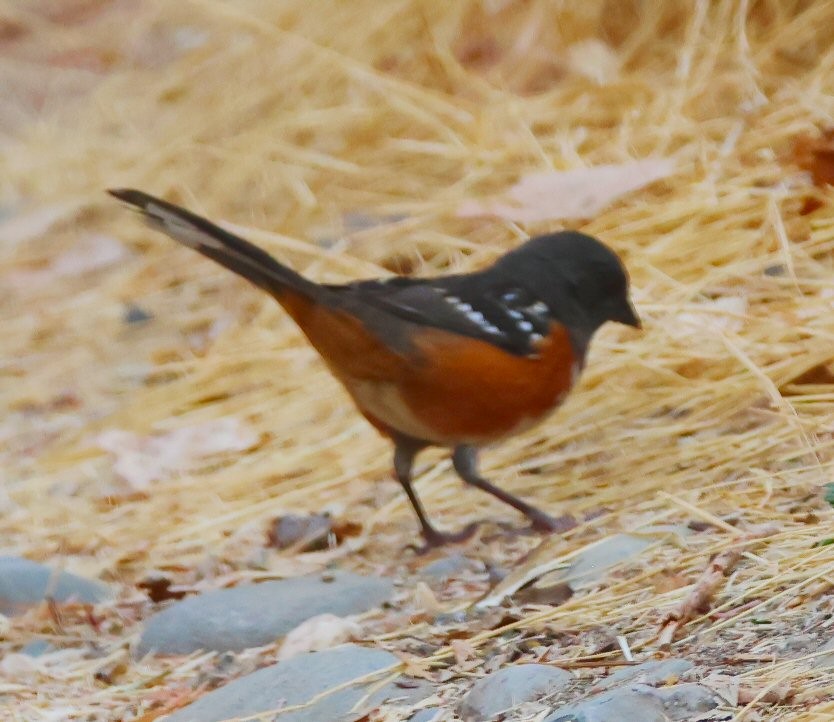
{"points": [[627, 315]]}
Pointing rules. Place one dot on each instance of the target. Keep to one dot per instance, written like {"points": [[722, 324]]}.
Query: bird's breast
{"points": [[469, 391]]}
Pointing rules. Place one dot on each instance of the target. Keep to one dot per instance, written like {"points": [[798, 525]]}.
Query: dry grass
{"points": [[285, 119]]}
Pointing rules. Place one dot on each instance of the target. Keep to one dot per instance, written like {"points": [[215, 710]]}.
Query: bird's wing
{"points": [[468, 305]]}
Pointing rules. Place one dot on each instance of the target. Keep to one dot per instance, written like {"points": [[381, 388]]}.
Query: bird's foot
{"points": [[434, 538], [542, 522]]}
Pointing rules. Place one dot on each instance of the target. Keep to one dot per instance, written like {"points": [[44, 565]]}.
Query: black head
{"points": [[582, 281]]}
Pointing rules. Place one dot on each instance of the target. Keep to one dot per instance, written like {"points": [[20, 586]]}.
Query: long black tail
{"points": [[225, 248]]}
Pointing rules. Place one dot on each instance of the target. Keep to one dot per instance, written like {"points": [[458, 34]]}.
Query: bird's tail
{"points": [[227, 249]]}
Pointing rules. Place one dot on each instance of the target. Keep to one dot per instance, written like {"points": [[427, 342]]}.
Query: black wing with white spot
{"points": [[510, 317]]}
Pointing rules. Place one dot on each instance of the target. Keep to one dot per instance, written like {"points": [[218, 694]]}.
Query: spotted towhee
{"points": [[457, 361]]}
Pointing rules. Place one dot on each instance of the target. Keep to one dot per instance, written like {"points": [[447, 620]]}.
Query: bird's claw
{"points": [[547, 524], [434, 538]]}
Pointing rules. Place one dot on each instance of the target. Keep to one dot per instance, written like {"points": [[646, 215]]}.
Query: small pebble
{"points": [[309, 532], [37, 648], [508, 687], [447, 567], [134, 314], [654, 672]]}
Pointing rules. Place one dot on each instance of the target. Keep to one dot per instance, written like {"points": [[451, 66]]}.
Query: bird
{"points": [[458, 361]]}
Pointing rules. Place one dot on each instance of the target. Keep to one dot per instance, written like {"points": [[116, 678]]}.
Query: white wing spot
{"points": [[525, 326], [512, 313], [539, 308], [179, 229]]}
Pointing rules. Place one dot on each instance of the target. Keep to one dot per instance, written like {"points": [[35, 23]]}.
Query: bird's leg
{"points": [[404, 453], [465, 461]]}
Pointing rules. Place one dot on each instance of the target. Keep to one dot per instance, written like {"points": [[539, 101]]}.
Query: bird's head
{"points": [[582, 281]]}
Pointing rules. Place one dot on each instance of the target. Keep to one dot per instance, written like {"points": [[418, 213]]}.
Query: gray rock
{"points": [[587, 568], [510, 686], [590, 566], [310, 531], [299, 680], [24, 583], [133, 314], [256, 614], [37, 648], [446, 567], [640, 702], [618, 705], [654, 672]]}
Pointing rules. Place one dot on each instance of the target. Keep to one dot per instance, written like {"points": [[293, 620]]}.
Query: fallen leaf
{"points": [[816, 155], [810, 204], [818, 375], [320, 632], [418, 667], [479, 52], [344, 529], [90, 254], [725, 686], [168, 699], [552, 595], [142, 459], [159, 589], [11, 30], [579, 193], [425, 599], [668, 582], [463, 651], [31, 224]]}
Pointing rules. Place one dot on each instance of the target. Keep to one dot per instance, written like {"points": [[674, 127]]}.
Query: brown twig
{"points": [[699, 599], [55, 614]]}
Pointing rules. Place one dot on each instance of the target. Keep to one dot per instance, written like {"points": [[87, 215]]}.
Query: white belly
{"points": [[384, 402]]}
